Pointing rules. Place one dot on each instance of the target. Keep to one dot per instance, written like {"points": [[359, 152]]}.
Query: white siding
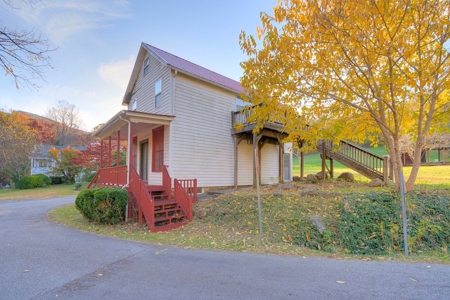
{"points": [[269, 164], [198, 142], [144, 91], [202, 145], [245, 163]]}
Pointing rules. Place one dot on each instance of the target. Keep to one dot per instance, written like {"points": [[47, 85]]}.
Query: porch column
{"points": [[280, 164], [237, 141], [109, 153], [118, 149], [130, 146], [101, 154]]}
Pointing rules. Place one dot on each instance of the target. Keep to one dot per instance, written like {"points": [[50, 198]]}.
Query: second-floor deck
{"points": [[240, 123]]}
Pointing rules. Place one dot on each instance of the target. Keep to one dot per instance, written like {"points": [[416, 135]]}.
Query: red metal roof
{"points": [[196, 70]]}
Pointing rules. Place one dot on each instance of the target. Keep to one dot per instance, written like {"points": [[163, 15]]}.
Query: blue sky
{"points": [[98, 41]]}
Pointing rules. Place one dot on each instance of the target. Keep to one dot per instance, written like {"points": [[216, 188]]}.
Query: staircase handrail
{"points": [[167, 181], [358, 156], [361, 149], [190, 186], [143, 197], [183, 198]]}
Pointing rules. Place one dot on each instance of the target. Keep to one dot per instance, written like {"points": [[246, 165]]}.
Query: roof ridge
{"points": [[188, 61], [183, 59]]}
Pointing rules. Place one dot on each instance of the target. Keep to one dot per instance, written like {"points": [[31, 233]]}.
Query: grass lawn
{"points": [[52, 191], [427, 174], [231, 221]]}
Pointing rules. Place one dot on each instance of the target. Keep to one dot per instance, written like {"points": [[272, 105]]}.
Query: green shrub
{"points": [[33, 181], [103, 205], [428, 222], [56, 179], [371, 223], [84, 202], [45, 179]]}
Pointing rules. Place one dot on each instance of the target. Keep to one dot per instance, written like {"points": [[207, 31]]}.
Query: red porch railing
{"points": [[167, 182], [144, 200], [114, 176], [183, 198], [185, 191], [190, 186]]}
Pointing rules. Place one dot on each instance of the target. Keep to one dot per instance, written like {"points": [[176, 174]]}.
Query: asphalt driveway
{"points": [[43, 260]]}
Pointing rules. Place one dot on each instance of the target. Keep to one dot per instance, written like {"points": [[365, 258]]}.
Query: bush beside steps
{"points": [[103, 205]]}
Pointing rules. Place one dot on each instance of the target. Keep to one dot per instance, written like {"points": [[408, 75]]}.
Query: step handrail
{"points": [[183, 199], [144, 200], [357, 156]]}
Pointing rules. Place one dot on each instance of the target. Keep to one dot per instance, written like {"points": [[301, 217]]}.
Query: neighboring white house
{"points": [[181, 115], [42, 162]]}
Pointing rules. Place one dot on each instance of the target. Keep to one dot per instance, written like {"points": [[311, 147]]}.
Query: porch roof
{"points": [[119, 122]]}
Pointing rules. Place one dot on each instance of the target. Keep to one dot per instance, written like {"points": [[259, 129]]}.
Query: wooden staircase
{"points": [[161, 209], [358, 159], [167, 212]]}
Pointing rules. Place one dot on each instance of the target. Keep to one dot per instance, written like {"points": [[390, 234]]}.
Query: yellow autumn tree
{"points": [[17, 142], [353, 69]]}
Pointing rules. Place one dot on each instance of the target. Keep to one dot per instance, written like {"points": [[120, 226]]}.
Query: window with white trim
{"points": [[42, 163], [240, 104], [146, 65], [158, 88], [133, 104]]}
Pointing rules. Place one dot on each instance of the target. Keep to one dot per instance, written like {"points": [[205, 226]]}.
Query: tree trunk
{"points": [[416, 163]]}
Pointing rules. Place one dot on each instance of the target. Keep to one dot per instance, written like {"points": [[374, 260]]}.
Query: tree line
{"points": [[21, 132]]}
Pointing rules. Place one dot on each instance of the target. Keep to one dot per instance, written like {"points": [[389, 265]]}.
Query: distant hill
{"points": [[34, 116], [50, 131]]}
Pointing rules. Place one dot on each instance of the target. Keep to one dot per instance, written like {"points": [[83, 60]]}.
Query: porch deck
{"points": [[162, 207], [271, 133]]}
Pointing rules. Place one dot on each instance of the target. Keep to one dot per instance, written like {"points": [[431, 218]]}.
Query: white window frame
{"points": [[133, 105], [146, 65], [158, 91], [240, 104]]}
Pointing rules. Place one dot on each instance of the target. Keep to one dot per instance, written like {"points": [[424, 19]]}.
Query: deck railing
{"points": [[113, 176], [183, 198], [375, 165], [144, 200], [241, 116]]}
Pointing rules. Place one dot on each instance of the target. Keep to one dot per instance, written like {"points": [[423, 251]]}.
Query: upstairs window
{"points": [[42, 163], [241, 104], [146, 65], [133, 105], [158, 98]]}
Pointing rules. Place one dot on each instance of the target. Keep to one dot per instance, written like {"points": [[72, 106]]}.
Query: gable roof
{"points": [[41, 150], [184, 66]]}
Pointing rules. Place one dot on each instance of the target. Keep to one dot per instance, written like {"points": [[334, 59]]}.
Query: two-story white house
{"points": [[181, 115]]}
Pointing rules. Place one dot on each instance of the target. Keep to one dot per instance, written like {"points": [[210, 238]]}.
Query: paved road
{"points": [[42, 260]]}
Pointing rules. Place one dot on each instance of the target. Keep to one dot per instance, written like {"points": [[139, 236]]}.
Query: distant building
{"points": [[42, 162]]}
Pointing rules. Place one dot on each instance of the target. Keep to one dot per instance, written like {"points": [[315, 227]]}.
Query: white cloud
{"points": [[60, 19], [117, 72]]}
